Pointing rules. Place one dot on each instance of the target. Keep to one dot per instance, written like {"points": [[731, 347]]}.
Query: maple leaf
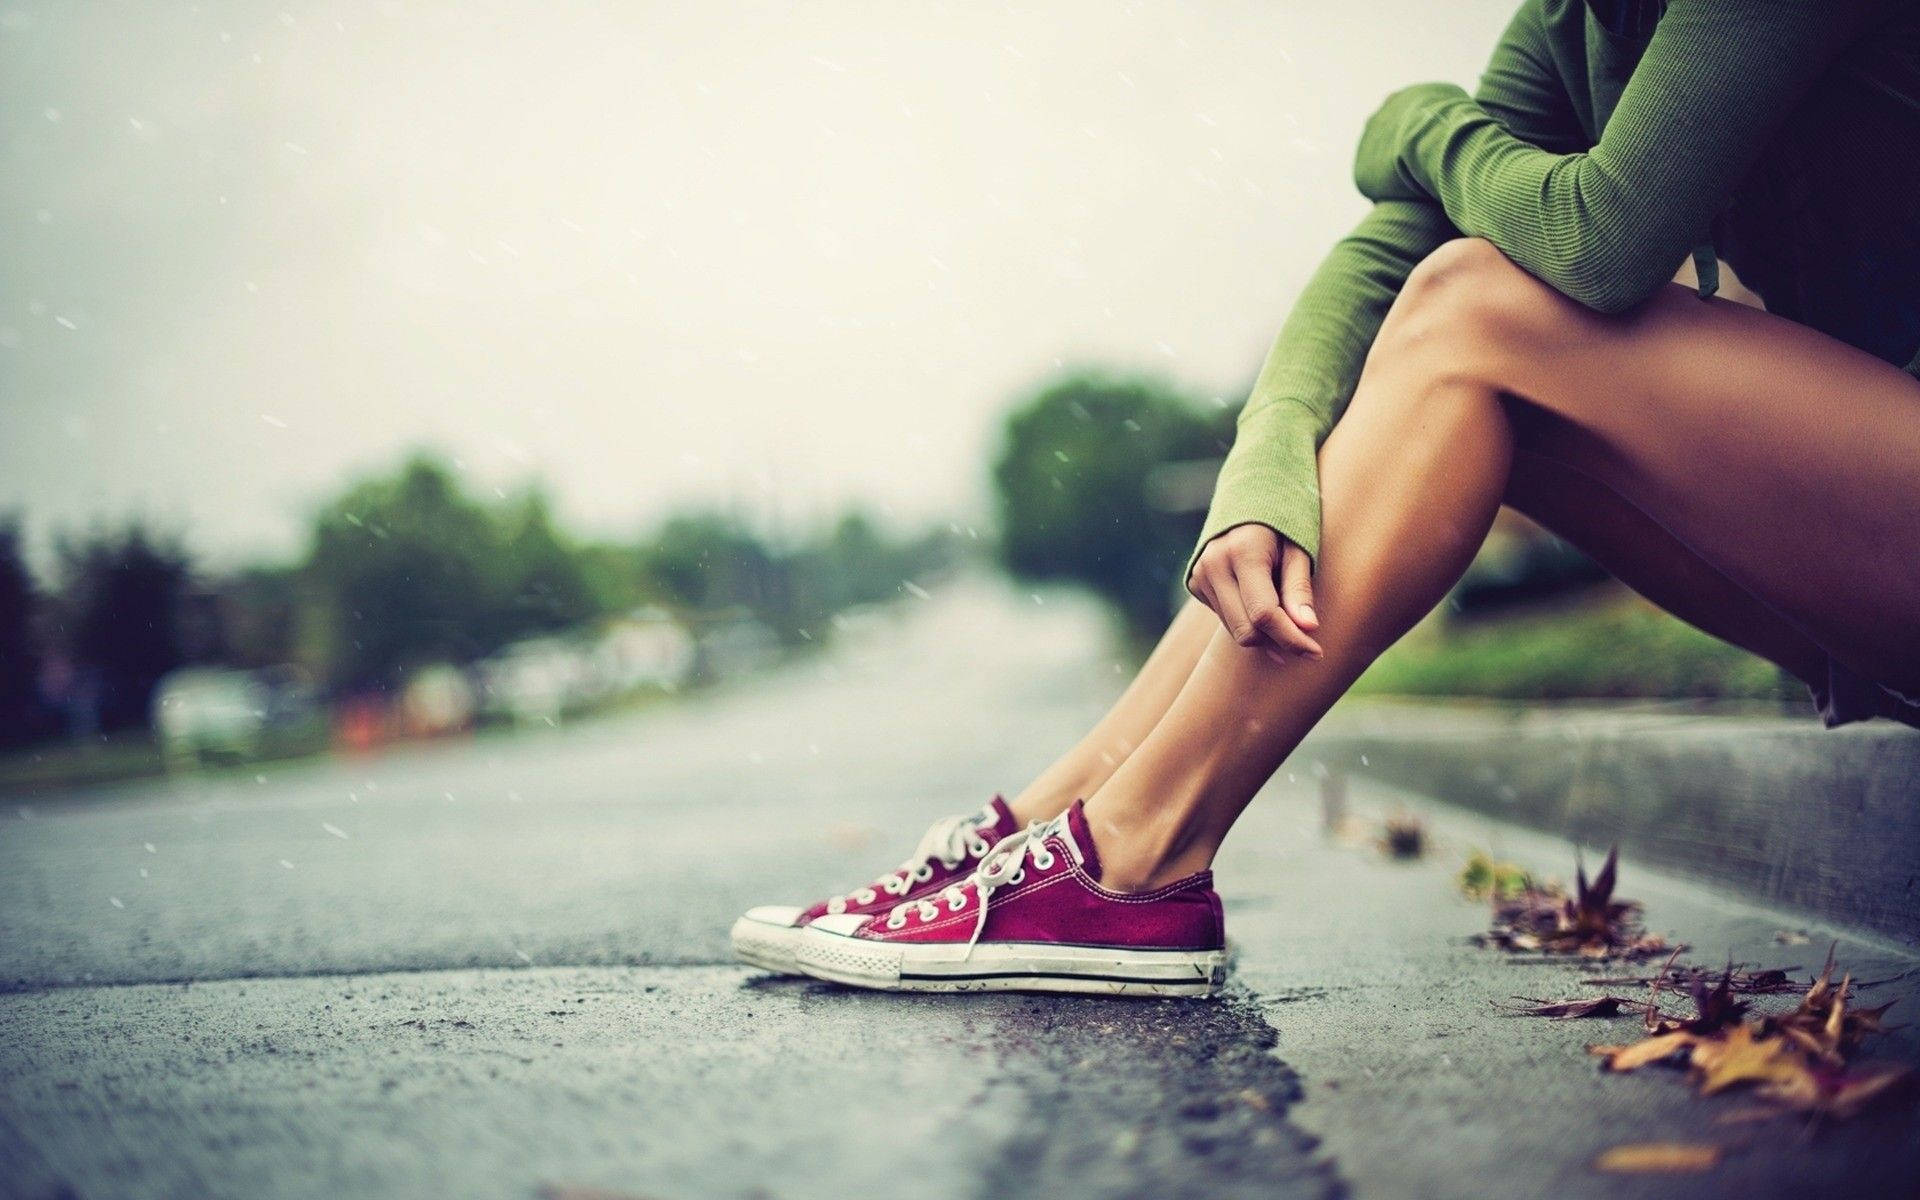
{"points": [[1796, 1060], [1741, 1056], [1658, 1048], [1842, 1096], [1715, 1009]]}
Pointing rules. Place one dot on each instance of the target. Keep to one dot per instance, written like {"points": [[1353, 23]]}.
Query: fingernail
{"points": [[1306, 610]]}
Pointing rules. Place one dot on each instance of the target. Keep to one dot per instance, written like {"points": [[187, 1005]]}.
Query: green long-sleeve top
{"points": [[1607, 140]]}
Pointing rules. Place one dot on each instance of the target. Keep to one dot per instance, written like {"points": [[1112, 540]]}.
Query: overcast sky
{"points": [[778, 255]]}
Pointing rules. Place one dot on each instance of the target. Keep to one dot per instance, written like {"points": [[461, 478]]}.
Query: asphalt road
{"points": [[496, 967]]}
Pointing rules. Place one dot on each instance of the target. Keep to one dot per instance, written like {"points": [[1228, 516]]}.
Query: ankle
{"points": [[1052, 794], [1035, 804], [1141, 852]]}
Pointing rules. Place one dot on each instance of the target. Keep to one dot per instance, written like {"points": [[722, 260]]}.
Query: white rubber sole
{"points": [[769, 946], [1016, 966]]}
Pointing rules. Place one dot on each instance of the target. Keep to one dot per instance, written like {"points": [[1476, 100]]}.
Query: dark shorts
{"points": [[1847, 697]]}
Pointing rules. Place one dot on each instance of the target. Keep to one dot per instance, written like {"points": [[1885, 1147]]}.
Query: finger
{"points": [[1232, 610], [1195, 582], [1280, 631], [1254, 575], [1201, 589], [1296, 587]]}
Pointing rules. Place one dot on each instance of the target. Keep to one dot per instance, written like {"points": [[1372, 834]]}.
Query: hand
{"points": [[1376, 164], [1234, 576]]}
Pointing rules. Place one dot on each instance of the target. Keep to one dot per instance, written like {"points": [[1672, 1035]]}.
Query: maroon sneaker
{"points": [[767, 936], [1033, 917]]}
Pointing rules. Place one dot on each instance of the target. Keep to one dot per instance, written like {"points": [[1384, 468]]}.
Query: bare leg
{"points": [[1803, 505], [1644, 556], [1081, 770]]}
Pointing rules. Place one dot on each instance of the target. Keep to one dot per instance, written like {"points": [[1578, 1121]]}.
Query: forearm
{"points": [[1596, 235], [1310, 373], [1607, 224]]}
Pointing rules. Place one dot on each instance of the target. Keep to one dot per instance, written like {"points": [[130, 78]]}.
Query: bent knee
{"points": [[1468, 291], [1467, 304]]}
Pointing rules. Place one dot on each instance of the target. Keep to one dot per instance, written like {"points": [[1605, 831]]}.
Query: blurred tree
{"points": [[711, 564], [20, 710], [260, 610], [120, 616], [613, 576], [709, 561], [545, 577], [409, 570], [1072, 484]]}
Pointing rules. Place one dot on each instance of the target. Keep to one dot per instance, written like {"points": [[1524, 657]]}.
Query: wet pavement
{"points": [[498, 966]]}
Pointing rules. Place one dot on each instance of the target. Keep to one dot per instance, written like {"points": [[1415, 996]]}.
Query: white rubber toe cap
{"points": [[841, 924], [767, 937], [785, 916]]}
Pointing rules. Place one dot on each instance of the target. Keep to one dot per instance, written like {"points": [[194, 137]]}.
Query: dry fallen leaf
{"points": [[1739, 978], [1639, 1157], [1797, 1060], [1566, 1010], [1844, 1096], [1404, 836], [1590, 923], [1657, 1048], [1742, 1056]]}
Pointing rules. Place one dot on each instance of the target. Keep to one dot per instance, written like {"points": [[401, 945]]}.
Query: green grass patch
{"points": [[1612, 645]]}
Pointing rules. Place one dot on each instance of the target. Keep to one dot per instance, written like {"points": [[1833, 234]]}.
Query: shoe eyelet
{"points": [[923, 872], [896, 923], [956, 904], [1044, 864], [1019, 877]]}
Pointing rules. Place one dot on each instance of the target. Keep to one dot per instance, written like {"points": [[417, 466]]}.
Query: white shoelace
{"points": [[1004, 866], [951, 840]]}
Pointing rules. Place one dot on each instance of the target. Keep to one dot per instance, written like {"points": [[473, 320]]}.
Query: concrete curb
{"points": [[1777, 808]]}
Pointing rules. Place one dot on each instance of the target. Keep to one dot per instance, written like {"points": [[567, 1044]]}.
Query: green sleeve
{"points": [[1607, 226], [1271, 476]]}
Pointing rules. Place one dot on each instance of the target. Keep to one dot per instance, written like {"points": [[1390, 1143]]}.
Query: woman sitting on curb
{"points": [[1499, 329]]}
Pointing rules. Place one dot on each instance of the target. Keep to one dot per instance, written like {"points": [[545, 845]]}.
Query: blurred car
{"points": [[437, 700], [207, 714], [537, 680], [648, 648]]}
